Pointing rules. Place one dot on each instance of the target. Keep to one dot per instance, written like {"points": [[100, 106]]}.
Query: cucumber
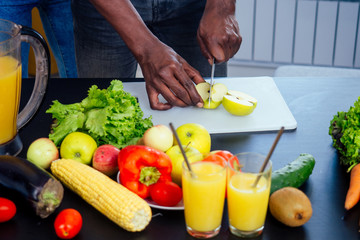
{"points": [[293, 174]]}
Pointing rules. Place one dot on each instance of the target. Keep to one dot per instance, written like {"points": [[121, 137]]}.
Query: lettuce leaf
{"points": [[110, 116], [345, 132]]}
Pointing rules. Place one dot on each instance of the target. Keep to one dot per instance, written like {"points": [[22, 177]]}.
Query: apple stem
{"points": [[187, 145]]}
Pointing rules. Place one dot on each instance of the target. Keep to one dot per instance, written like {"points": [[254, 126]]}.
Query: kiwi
{"points": [[290, 206]]}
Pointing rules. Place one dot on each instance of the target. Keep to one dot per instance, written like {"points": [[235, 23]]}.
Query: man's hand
{"points": [[168, 74], [218, 32], [165, 72]]}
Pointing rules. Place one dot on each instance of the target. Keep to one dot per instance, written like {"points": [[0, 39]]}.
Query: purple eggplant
{"points": [[38, 187]]}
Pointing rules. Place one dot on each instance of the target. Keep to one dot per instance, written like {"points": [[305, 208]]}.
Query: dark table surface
{"points": [[313, 102]]}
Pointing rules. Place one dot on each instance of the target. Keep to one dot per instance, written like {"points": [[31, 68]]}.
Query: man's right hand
{"points": [[168, 74]]}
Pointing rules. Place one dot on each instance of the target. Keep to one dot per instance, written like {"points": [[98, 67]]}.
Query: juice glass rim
{"points": [[231, 162], [223, 168]]}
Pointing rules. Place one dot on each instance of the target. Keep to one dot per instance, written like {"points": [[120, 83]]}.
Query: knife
{"points": [[211, 78]]}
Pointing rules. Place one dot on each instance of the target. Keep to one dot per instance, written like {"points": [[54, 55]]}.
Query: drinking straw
{"points": [[180, 146], [269, 155]]}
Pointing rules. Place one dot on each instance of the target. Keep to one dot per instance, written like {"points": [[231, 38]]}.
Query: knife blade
{"points": [[211, 79]]}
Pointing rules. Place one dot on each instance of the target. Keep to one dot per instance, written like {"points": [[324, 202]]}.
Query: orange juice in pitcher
{"points": [[11, 120], [10, 88]]}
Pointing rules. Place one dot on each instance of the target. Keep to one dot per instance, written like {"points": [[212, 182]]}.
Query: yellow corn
{"points": [[119, 204]]}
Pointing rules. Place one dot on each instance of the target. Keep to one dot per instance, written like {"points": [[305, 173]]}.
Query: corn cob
{"points": [[116, 202]]}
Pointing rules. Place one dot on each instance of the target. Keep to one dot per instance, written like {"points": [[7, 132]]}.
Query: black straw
{"points": [[269, 155], [180, 146]]}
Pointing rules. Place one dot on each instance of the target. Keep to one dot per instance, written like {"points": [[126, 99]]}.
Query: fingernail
{"points": [[200, 104]]}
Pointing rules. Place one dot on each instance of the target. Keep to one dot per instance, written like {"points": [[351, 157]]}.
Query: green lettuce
{"points": [[345, 132], [111, 116]]}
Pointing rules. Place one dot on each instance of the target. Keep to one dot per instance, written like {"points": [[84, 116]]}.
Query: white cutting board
{"points": [[270, 114]]}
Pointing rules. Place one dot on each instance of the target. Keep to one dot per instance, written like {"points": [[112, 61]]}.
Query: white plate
{"points": [[179, 206]]}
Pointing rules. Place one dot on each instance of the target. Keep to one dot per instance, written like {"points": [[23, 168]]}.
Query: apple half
{"points": [[218, 90], [239, 103]]}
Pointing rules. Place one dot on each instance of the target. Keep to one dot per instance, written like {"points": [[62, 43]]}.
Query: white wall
{"points": [[305, 32]]}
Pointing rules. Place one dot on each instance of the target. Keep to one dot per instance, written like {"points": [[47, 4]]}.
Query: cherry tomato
{"points": [[68, 223], [166, 193], [215, 159], [7, 209]]}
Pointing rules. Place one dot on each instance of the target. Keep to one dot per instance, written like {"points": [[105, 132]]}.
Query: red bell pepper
{"points": [[141, 167]]}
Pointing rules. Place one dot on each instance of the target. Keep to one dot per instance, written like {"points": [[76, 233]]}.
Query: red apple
{"points": [[105, 159]]}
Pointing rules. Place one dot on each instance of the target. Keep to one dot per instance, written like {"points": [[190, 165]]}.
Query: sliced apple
{"points": [[211, 104], [218, 91], [239, 103], [203, 89]]}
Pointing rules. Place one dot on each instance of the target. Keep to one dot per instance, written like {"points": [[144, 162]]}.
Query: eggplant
{"points": [[36, 186]]}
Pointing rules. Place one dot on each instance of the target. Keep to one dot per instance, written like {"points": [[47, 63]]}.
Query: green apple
{"points": [[194, 135], [239, 103], [218, 90], [42, 152], [177, 160], [78, 146], [159, 137]]}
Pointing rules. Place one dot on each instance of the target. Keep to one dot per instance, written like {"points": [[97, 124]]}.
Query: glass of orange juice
{"points": [[247, 202], [204, 196], [11, 36]]}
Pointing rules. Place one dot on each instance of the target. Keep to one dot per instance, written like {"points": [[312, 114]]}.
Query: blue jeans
{"points": [[100, 52], [57, 21]]}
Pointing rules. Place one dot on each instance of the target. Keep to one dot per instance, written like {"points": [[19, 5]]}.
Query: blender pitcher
{"points": [[11, 36]]}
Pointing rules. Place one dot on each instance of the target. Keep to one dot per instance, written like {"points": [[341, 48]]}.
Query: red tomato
{"points": [[227, 155], [166, 193], [215, 159], [68, 223], [7, 209], [224, 153]]}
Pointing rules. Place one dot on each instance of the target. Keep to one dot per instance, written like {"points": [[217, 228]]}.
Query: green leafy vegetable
{"points": [[110, 116], [345, 132]]}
